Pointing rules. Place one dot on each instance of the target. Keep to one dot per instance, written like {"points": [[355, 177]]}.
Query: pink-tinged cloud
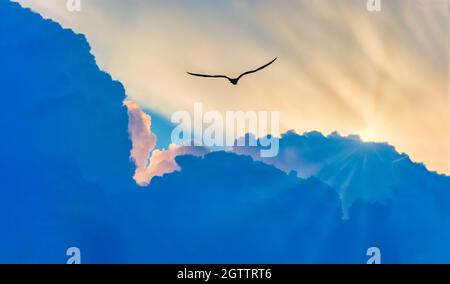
{"points": [[143, 140], [149, 162]]}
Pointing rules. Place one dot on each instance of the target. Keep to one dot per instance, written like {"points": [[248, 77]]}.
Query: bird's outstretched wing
{"points": [[256, 70], [208, 76]]}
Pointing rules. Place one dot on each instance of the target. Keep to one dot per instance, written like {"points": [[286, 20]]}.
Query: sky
{"points": [[66, 178], [381, 75]]}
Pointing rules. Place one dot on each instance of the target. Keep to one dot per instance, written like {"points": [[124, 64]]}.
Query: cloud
{"points": [[65, 147], [144, 141], [358, 170], [164, 161], [151, 162]]}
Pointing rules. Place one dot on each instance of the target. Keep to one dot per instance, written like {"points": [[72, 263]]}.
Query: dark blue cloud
{"points": [[66, 180], [64, 152]]}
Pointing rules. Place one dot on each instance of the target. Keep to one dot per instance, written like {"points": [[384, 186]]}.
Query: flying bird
{"points": [[233, 81]]}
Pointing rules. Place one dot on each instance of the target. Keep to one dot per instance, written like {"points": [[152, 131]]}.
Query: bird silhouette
{"points": [[233, 81]]}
